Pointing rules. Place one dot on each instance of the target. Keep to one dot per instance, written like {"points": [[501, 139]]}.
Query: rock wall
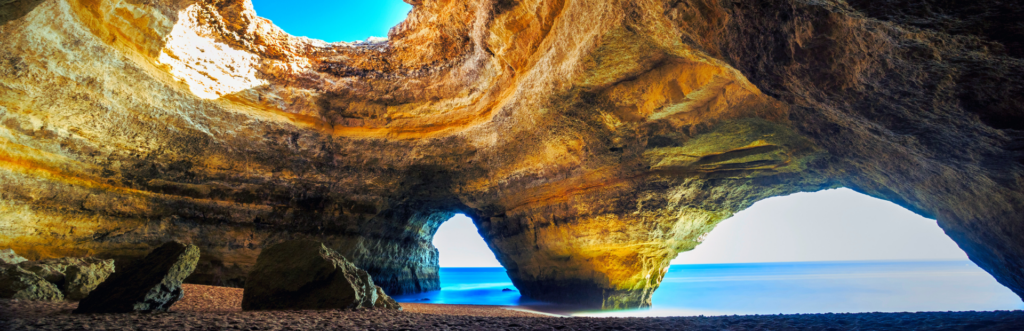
{"points": [[590, 140]]}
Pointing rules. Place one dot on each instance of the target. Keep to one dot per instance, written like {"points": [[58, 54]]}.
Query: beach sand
{"points": [[202, 298], [219, 308]]}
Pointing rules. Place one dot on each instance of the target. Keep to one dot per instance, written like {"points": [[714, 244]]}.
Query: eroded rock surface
{"points": [[590, 141], [150, 284], [53, 273], [75, 276], [385, 301], [8, 256], [84, 275], [304, 274], [18, 283]]}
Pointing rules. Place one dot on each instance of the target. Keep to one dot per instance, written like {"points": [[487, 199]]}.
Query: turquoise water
{"points": [[769, 288]]}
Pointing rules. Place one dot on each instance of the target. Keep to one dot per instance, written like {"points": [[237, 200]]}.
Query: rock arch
{"points": [[590, 140]]}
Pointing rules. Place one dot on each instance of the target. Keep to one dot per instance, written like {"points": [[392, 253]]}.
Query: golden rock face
{"points": [[590, 141]]}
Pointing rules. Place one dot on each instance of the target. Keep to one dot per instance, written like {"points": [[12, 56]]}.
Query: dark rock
{"points": [[151, 284], [507, 290], [51, 272], [8, 256], [302, 274], [18, 283]]}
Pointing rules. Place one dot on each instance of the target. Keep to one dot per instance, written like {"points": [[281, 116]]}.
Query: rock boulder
{"points": [[8, 256], [18, 283], [75, 276], [385, 301], [302, 274], [150, 284], [49, 270], [83, 275]]}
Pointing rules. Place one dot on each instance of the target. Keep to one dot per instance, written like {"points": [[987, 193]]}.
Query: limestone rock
{"points": [[51, 272], [151, 284], [18, 283], [84, 275], [303, 274], [8, 256], [385, 301], [590, 141], [75, 276]]}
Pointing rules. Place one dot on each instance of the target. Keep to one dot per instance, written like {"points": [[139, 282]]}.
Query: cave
{"points": [[590, 141]]}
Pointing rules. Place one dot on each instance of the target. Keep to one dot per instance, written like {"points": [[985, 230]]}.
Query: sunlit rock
{"points": [[590, 141], [8, 256], [210, 68]]}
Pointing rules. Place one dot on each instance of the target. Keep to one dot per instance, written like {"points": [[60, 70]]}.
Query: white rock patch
{"points": [[210, 68]]}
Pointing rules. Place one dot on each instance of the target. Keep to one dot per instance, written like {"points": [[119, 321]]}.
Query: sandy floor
{"points": [[215, 308], [206, 299]]}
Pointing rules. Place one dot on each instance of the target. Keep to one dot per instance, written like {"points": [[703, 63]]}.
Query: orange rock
{"points": [[591, 141]]}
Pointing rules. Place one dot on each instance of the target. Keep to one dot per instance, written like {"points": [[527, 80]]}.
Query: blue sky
{"points": [[333, 21], [831, 225]]}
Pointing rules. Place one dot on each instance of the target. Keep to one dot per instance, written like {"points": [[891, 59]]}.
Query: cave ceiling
{"points": [[590, 141]]}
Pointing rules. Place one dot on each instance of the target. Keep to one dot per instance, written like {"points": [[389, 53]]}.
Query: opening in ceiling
{"points": [[334, 21]]}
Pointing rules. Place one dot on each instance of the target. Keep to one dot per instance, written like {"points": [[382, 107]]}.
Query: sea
{"points": [[765, 288]]}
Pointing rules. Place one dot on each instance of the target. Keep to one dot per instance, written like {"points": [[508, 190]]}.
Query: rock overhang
{"points": [[590, 141]]}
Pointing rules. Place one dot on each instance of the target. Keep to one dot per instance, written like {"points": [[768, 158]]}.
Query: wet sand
{"points": [[219, 308]]}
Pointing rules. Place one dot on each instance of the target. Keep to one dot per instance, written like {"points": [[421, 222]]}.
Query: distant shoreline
{"points": [[775, 262]]}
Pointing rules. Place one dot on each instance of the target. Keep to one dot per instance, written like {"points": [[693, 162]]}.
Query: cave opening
{"points": [[335, 21], [816, 252], [828, 251], [469, 272]]}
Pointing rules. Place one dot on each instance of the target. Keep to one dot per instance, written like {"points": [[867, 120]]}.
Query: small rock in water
{"points": [[18, 283], [507, 290], [150, 284], [303, 274]]}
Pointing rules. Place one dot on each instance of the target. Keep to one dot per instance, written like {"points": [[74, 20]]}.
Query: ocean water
{"points": [[767, 288]]}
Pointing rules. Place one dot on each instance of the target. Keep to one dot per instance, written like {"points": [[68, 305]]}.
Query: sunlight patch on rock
{"points": [[211, 69]]}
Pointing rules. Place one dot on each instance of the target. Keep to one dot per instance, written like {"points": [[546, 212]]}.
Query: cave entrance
{"points": [[470, 274], [335, 21], [827, 251]]}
